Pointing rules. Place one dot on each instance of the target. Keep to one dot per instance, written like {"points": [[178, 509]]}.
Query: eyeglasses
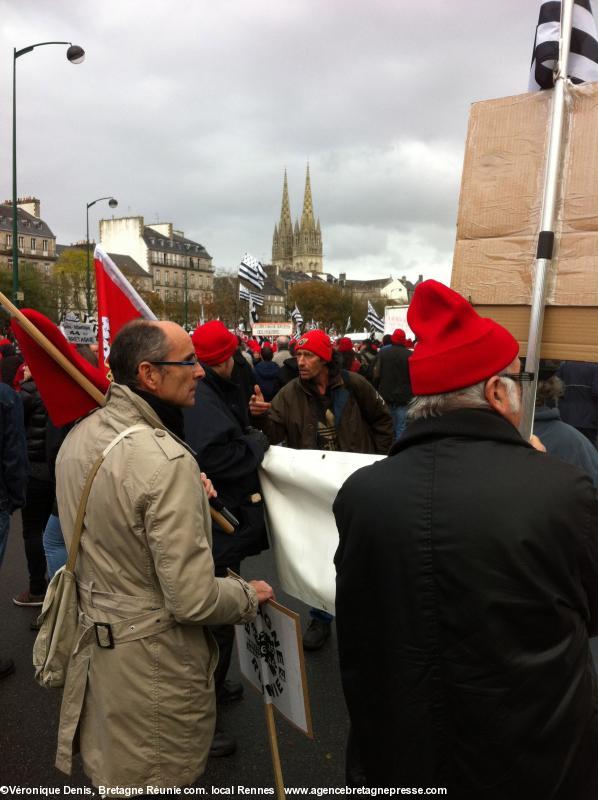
{"points": [[192, 363], [519, 377]]}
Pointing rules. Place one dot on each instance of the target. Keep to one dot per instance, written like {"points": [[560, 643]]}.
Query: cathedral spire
{"points": [[285, 211], [307, 218]]}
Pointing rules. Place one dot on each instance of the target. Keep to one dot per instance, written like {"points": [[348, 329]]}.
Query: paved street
{"points": [[29, 713]]}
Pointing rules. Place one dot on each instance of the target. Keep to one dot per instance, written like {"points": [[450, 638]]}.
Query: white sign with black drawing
{"points": [[271, 658]]}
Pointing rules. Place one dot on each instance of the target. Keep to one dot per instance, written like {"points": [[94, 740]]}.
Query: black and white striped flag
{"points": [[252, 271], [583, 58], [247, 294], [296, 316], [373, 320]]}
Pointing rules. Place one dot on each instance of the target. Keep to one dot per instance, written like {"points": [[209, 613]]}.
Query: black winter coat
{"points": [[216, 429], [36, 421], [268, 378], [467, 585], [391, 375], [13, 451]]}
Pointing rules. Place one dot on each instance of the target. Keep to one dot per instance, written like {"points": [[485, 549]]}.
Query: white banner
{"points": [[272, 328], [271, 658], [299, 487], [396, 317]]}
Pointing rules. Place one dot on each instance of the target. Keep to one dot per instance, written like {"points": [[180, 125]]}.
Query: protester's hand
{"points": [[535, 442], [257, 404], [259, 437], [208, 485], [264, 591]]}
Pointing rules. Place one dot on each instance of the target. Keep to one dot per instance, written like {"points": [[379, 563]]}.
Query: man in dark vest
{"points": [[467, 584]]}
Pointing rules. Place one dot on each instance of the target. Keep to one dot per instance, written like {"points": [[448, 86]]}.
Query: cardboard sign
{"points": [[499, 219], [271, 659], [78, 332]]}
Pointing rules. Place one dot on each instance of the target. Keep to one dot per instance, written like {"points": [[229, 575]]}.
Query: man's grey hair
{"points": [[435, 405], [283, 342], [140, 340], [549, 390]]}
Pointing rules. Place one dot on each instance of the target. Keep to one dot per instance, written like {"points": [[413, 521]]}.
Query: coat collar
{"points": [[469, 423]]}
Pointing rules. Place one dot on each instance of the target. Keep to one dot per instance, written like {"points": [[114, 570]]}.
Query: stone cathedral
{"points": [[297, 248]]}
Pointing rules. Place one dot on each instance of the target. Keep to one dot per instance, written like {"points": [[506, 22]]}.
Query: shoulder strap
{"points": [[74, 548]]}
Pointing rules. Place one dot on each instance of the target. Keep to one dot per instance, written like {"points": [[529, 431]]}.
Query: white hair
{"points": [[435, 405]]}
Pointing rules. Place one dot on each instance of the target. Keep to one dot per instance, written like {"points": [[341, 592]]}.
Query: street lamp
{"points": [[112, 203], [75, 55]]}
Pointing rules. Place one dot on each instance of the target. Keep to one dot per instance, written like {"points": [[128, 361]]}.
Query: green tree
{"points": [[70, 273], [325, 303]]}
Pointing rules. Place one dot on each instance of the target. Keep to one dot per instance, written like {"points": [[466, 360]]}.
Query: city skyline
{"points": [[191, 114]]}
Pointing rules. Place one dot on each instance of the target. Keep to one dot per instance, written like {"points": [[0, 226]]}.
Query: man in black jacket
{"points": [[391, 378], [465, 662], [217, 429]]}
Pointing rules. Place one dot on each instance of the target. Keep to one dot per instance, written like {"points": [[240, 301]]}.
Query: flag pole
{"points": [[53, 351], [545, 248]]}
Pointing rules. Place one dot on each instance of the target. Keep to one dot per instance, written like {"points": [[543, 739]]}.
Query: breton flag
{"points": [[252, 271], [247, 294], [296, 316], [583, 58], [118, 302], [373, 320]]}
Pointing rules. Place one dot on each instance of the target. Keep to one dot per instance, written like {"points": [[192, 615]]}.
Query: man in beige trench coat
{"points": [[139, 695]]}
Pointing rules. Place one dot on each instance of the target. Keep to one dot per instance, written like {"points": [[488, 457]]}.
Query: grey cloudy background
{"points": [[188, 111]]}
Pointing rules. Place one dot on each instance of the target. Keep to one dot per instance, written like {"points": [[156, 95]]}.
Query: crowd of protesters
{"points": [[480, 599]]}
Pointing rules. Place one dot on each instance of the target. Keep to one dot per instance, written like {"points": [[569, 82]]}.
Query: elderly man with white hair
{"points": [[467, 584]]}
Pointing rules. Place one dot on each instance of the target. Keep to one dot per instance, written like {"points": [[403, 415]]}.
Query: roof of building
{"points": [[377, 283], [26, 222], [179, 244], [271, 289], [129, 266]]}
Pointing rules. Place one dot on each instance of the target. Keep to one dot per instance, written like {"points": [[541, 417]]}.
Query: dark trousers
{"points": [[224, 635], [38, 507]]}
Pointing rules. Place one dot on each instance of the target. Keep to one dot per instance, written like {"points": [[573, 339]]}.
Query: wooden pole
{"points": [[53, 351], [273, 740]]}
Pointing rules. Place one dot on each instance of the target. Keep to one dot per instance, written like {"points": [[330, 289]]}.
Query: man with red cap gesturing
{"points": [[465, 663], [325, 408]]}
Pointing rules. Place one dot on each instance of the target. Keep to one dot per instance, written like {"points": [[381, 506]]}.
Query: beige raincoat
{"points": [[142, 711]]}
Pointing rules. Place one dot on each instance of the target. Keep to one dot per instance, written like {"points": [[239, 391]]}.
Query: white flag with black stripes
{"points": [[252, 271], [296, 316], [373, 320], [246, 294], [583, 58]]}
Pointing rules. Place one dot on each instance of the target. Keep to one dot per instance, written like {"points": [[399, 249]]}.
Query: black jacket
{"points": [[467, 585], [391, 375], [216, 429], [13, 451], [36, 421], [268, 378]]}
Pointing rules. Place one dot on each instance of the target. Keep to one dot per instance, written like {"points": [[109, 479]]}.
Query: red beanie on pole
{"points": [[455, 346]]}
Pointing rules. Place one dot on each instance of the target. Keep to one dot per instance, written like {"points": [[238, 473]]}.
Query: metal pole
{"points": [[15, 249], [544, 253], [186, 300], [88, 275]]}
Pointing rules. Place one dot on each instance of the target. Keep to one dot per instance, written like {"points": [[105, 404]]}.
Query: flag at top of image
{"points": [[252, 271], [296, 316], [583, 57], [373, 320]]}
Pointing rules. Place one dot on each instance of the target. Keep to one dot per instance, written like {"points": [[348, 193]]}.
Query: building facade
{"points": [[297, 248], [36, 242], [179, 267]]}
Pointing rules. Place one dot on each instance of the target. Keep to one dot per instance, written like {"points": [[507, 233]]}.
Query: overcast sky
{"points": [[189, 111]]}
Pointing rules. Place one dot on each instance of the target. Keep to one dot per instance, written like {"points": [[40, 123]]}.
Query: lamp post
{"points": [[75, 55], [112, 203]]}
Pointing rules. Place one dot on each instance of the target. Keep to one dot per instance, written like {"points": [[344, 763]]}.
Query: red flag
{"points": [[118, 302], [63, 398]]}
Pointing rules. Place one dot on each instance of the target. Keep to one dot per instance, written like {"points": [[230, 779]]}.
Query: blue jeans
{"points": [[323, 616], [399, 419], [56, 554], [4, 526]]}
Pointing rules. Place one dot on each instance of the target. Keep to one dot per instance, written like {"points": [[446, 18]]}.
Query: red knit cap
{"points": [[213, 343], [398, 336], [344, 344], [455, 346], [317, 342]]}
